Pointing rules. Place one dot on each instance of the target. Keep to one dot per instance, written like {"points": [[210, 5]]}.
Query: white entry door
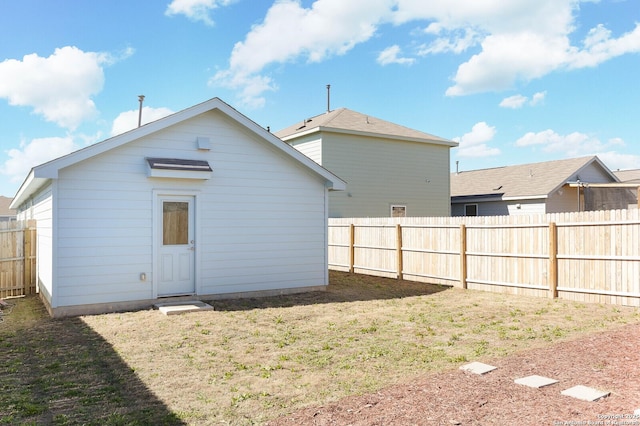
{"points": [[176, 251]]}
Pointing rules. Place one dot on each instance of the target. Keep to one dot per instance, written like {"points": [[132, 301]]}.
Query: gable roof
{"points": [[40, 175], [5, 211], [344, 120], [631, 176], [534, 180]]}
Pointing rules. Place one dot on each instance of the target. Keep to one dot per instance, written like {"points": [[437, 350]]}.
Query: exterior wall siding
{"points": [[41, 209], [563, 200], [261, 217], [592, 174], [311, 146], [383, 172]]}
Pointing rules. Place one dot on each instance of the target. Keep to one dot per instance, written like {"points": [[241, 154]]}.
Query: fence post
{"points": [[399, 249], [553, 260], [352, 240], [463, 256]]}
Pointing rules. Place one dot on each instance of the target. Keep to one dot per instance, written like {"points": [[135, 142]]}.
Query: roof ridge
{"points": [[336, 114], [585, 159]]}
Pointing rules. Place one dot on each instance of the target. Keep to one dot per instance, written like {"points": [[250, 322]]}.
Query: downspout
{"points": [[578, 187]]}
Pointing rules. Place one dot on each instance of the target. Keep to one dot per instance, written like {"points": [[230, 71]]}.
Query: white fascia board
{"points": [[30, 186], [603, 185], [309, 131], [523, 198], [50, 169], [450, 144]]}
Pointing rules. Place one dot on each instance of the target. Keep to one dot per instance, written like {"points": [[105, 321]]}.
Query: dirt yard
{"points": [[607, 361]]}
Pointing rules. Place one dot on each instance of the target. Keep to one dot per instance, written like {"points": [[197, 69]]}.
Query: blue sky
{"points": [[513, 81]]}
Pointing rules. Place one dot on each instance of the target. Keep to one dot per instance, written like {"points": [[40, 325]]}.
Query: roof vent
{"points": [[304, 123], [178, 168], [328, 98]]}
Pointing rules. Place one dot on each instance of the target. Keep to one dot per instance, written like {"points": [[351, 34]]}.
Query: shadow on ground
{"points": [[61, 372], [343, 287]]}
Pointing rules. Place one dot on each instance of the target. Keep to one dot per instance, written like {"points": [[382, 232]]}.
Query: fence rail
{"points": [[17, 258], [586, 256]]}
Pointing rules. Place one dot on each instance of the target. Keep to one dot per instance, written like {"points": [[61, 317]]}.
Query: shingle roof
{"points": [[631, 176], [525, 180], [5, 211], [344, 120]]}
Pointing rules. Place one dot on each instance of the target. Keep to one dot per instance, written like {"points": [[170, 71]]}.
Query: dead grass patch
{"points": [[252, 360]]}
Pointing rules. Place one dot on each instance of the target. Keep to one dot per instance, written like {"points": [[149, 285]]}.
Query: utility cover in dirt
{"points": [[478, 368], [535, 381], [585, 393]]}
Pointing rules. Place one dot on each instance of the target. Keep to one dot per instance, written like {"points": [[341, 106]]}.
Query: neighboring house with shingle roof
{"points": [[628, 176], [547, 187], [390, 170], [6, 214]]}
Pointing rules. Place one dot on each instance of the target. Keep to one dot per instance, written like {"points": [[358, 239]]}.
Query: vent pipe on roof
{"points": [[140, 99], [457, 162], [328, 98]]}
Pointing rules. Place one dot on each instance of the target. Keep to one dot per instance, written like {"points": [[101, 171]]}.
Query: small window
{"points": [[398, 211], [175, 223], [471, 210]]}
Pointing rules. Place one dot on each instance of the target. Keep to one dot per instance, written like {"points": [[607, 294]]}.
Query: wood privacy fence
{"points": [[586, 256], [17, 258]]}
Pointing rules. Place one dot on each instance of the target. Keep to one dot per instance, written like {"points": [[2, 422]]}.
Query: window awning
{"points": [[178, 168]]}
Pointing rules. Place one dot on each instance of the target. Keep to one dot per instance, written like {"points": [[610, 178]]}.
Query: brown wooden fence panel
{"points": [[17, 258], [586, 256]]}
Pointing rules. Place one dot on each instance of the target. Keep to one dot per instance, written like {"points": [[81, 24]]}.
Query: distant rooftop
{"points": [[524, 180], [344, 120], [5, 211], [628, 176]]}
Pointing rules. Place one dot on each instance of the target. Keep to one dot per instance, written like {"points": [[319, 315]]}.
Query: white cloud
{"points": [[518, 101], [514, 102], [390, 56], [578, 144], [617, 161], [457, 42], [196, 10], [58, 87], [507, 59], [128, 120], [574, 144], [290, 31], [599, 47], [514, 41], [530, 53], [33, 153], [474, 143], [250, 87], [519, 40], [538, 98]]}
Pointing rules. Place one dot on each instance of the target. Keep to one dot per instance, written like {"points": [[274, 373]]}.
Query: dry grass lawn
{"points": [[252, 360]]}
